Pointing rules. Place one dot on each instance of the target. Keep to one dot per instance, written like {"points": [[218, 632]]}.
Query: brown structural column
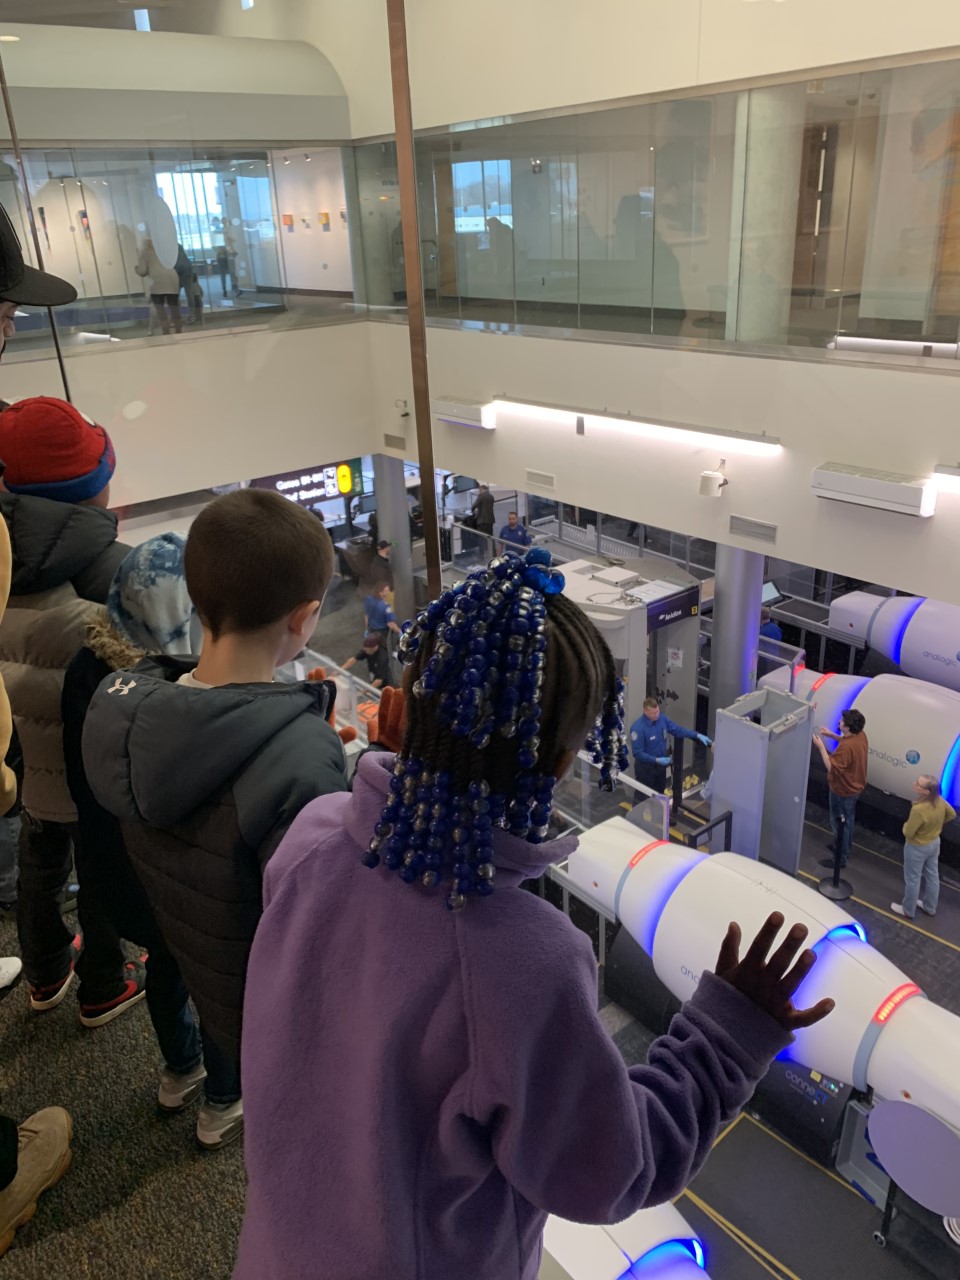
{"points": [[410, 222]]}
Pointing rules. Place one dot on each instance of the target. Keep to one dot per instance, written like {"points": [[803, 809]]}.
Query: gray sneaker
{"points": [[219, 1124], [177, 1091]]}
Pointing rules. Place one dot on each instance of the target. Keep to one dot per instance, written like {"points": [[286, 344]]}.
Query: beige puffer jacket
{"points": [[64, 558]]}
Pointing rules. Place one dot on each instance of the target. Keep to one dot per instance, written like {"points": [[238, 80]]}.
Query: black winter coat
{"points": [[205, 783]]}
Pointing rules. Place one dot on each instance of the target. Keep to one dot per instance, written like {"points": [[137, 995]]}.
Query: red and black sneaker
{"points": [[48, 997], [134, 990]]}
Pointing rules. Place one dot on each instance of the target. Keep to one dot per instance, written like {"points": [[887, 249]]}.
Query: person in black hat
{"points": [[34, 1155], [23, 285]]}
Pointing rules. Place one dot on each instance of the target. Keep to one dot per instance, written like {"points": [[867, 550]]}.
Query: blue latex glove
{"points": [[663, 759], [702, 737]]}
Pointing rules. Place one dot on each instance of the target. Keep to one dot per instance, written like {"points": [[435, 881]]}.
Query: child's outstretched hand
{"points": [[771, 983], [389, 727], [319, 674]]}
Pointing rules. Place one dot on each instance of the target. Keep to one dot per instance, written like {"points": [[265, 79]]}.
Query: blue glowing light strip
{"points": [[686, 1249], [854, 929], [907, 619], [950, 781]]}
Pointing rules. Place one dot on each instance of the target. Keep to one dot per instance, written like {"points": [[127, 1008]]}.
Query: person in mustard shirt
{"points": [[921, 850]]}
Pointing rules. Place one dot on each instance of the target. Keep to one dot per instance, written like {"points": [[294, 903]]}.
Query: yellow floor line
{"points": [[729, 1129], [895, 862], [908, 924], [749, 1245], [809, 1159]]}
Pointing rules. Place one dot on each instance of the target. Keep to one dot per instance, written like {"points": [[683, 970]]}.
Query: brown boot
{"points": [[43, 1158]]}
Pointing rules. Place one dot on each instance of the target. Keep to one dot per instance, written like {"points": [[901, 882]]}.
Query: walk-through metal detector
{"points": [[761, 765]]}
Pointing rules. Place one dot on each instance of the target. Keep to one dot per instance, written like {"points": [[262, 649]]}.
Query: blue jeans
{"points": [[842, 812], [181, 1042], [920, 864], [9, 843]]}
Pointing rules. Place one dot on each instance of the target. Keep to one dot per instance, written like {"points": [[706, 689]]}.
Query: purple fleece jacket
{"points": [[421, 1087]]}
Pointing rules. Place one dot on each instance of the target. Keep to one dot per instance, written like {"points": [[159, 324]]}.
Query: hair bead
{"points": [[484, 678]]}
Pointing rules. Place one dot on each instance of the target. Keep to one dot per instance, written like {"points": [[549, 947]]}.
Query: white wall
{"points": [[187, 413], [888, 418], [511, 56], [87, 84], [313, 258]]}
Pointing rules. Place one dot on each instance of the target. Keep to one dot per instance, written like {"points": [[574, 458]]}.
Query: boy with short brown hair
{"points": [[207, 764]]}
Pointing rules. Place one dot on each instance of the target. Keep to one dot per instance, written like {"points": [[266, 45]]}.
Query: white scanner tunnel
{"points": [[883, 1034], [913, 727], [921, 636], [654, 1244]]}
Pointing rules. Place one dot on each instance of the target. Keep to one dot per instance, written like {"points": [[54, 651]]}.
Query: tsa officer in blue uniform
{"points": [[514, 534], [648, 741], [769, 627]]}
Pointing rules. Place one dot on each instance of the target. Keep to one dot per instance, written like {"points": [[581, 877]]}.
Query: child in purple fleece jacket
{"points": [[444, 1083]]}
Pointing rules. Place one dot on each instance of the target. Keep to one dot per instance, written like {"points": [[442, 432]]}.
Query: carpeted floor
{"points": [[141, 1200]]}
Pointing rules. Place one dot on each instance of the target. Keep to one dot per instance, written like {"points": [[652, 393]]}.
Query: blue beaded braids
{"points": [[506, 673]]}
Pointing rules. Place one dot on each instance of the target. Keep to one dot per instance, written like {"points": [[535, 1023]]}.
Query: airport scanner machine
{"points": [[648, 611], [884, 1036]]}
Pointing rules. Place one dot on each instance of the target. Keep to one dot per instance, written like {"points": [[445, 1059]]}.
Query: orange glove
{"points": [[319, 675], [389, 728]]}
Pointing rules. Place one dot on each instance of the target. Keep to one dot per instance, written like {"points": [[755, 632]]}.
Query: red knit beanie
{"points": [[51, 450]]}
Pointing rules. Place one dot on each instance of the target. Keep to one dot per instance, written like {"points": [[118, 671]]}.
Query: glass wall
{"points": [[255, 235], [823, 214]]}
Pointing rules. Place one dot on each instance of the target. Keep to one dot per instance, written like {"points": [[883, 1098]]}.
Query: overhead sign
{"points": [[685, 604], [341, 480]]}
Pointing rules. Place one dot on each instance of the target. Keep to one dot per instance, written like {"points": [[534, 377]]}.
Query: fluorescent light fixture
{"points": [[9, 39], [759, 446], [947, 479], [246, 4], [141, 18]]}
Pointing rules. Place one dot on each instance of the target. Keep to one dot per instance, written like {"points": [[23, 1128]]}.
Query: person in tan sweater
{"points": [[929, 814]]}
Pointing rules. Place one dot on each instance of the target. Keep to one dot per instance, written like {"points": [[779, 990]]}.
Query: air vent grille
{"points": [[542, 479], [758, 529], [394, 442]]}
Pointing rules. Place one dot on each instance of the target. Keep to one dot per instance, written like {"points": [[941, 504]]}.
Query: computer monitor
{"points": [[770, 595]]}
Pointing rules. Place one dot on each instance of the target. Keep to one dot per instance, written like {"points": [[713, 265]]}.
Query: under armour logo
{"points": [[121, 688]]}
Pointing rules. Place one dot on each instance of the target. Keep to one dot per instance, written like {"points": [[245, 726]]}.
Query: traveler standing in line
{"points": [[483, 510], [36, 1154], [846, 777], [206, 763], [65, 553], [648, 741], [418, 1113], [929, 814]]}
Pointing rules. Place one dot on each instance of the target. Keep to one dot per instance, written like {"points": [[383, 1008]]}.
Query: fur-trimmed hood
{"points": [[106, 642]]}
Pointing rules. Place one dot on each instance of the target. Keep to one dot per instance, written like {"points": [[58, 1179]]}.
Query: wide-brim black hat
{"points": [[22, 283]]}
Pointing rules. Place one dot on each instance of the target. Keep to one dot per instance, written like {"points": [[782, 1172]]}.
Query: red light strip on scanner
{"points": [[817, 683], [642, 853], [894, 1001]]}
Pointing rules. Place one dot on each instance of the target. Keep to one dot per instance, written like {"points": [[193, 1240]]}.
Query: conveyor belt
{"points": [[802, 612]]}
